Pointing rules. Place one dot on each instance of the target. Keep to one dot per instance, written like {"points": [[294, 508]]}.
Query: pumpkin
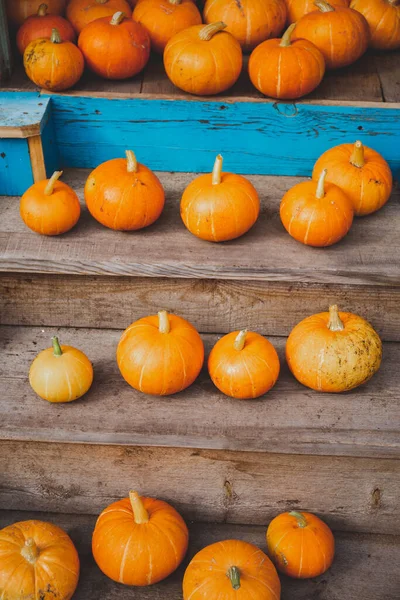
{"points": [[61, 373], [383, 18], [362, 174], [219, 206], [284, 69], [82, 12], [243, 364], [160, 355], [203, 59], [333, 352], [300, 544], [53, 64], [41, 25], [250, 21], [298, 8], [139, 541], [50, 207], [231, 569], [316, 213], [342, 34], [164, 18], [123, 194], [38, 561], [19, 10]]}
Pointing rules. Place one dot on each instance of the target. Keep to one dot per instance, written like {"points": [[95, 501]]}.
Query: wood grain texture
{"points": [[22, 115], [364, 566], [289, 419], [6, 62], [37, 158], [388, 68], [350, 494], [167, 249]]}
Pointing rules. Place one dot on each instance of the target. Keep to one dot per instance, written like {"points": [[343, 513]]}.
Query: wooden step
{"points": [[365, 566]]}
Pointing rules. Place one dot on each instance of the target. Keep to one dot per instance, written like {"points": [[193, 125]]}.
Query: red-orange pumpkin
{"points": [[82, 12], [19, 10], [383, 18], [298, 8], [41, 25]]}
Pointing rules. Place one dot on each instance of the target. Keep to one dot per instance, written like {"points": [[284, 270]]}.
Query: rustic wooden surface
{"points": [[21, 116], [37, 158], [167, 249]]}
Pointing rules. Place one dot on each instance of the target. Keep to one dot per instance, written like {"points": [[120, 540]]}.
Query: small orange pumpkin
{"points": [[61, 373], [38, 562], [362, 174], [250, 21], [383, 18], [333, 352], [298, 8], [53, 64], [164, 18], [244, 364], [284, 69], [300, 544], [139, 541], [231, 569], [316, 213], [41, 25], [203, 59], [123, 194], [82, 12], [50, 207], [219, 206], [19, 10], [342, 34], [160, 355]]}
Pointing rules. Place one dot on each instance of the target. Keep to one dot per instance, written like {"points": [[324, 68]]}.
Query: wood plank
{"points": [[289, 419], [22, 115], [364, 566], [266, 253], [15, 166], [6, 61], [388, 67], [350, 494], [37, 158]]}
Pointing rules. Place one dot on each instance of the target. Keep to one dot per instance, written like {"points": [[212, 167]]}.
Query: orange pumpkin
{"points": [[53, 64], [164, 18], [231, 569], [250, 21], [300, 544], [333, 352], [139, 541], [383, 18], [123, 194], [244, 364], [38, 562], [342, 34], [41, 25], [203, 59], [284, 69], [19, 10], [316, 213], [362, 174], [298, 8], [219, 206], [160, 355], [61, 373], [50, 207], [82, 12]]}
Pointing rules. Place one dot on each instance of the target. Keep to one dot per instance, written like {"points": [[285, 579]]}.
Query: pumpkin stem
{"points": [[394, 2], [56, 346], [335, 323], [117, 18], [140, 514], [101, 1], [30, 551], [208, 31], [286, 38], [323, 6], [42, 10], [357, 158], [216, 174], [234, 575], [55, 36], [49, 189], [320, 193], [240, 340], [131, 161], [301, 520], [163, 322], [175, 2]]}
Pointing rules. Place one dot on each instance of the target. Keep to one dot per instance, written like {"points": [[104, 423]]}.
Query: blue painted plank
{"points": [[15, 167], [23, 110], [50, 147]]}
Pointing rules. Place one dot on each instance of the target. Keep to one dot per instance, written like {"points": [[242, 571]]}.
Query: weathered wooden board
{"points": [[22, 117], [6, 61], [388, 67], [289, 419]]}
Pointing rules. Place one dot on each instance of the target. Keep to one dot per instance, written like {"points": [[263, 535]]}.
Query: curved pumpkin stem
{"points": [[55, 36], [30, 551], [56, 346], [301, 520], [287, 36], [357, 158], [335, 323], [216, 174], [101, 1], [140, 514], [132, 163], [42, 10], [324, 6], [208, 31], [176, 2], [164, 325], [234, 575], [320, 193], [117, 18], [240, 340], [49, 189]]}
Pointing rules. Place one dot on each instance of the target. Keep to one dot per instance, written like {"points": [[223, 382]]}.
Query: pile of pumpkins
{"points": [[115, 39]]}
